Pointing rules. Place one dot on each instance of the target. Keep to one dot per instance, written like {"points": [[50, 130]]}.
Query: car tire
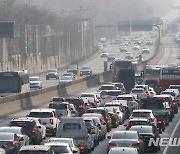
{"points": [[53, 132]]}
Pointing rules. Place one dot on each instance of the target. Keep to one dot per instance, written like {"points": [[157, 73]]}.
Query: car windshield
{"points": [[52, 71], [41, 114], [72, 67], [141, 114], [125, 135], [142, 129], [85, 68], [33, 152], [96, 111], [33, 79]]}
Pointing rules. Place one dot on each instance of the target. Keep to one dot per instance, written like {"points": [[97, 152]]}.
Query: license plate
{"points": [[123, 145]]}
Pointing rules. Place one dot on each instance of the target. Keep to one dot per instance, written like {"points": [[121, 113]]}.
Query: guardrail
{"points": [[15, 103]]}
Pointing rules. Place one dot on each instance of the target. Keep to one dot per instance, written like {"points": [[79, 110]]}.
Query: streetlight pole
{"points": [[159, 32]]}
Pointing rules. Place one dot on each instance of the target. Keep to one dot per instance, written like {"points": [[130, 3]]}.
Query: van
{"points": [[75, 127]]}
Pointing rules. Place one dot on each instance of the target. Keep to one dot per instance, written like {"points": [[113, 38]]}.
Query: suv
{"points": [[76, 128], [52, 73], [30, 127], [105, 114], [78, 103], [85, 71], [120, 86], [35, 148], [62, 108], [48, 116], [73, 69], [35, 82]]}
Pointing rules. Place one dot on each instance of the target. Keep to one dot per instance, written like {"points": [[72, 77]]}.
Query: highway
{"points": [[170, 54]]}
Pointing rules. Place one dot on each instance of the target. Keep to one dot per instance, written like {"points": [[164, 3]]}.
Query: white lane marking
{"points": [[172, 134]]}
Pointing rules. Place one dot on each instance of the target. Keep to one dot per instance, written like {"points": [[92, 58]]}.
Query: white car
{"points": [[123, 48], [145, 50], [135, 47], [65, 79], [40, 125], [48, 116], [104, 54], [35, 82], [70, 141]]}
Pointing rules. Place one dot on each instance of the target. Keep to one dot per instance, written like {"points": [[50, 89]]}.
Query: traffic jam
{"points": [[78, 124]]}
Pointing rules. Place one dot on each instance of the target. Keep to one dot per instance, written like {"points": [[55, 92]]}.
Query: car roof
{"points": [[162, 95], [138, 119], [42, 110], [142, 110], [59, 138], [56, 102], [57, 143], [34, 77], [93, 114], [35, 147], [125, 132], [23, 119], [11, 127]]}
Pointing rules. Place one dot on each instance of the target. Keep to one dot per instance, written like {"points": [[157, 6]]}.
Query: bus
{"points": [[120, 64], [151, 75], [14, 82], [169, 75]]}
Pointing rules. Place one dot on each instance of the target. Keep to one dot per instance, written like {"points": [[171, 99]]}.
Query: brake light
{"points": [[132, 102], [109, 96], [136, 144], [145, 94], [92, 127], [51, 121], [112, 144], [82, 147], [80, 106], [114, 115], [123, 88], [169, 109], [159, 121], [67, 112], [33, 131], [13, 143], [106, 117], [152, 119], [174, 103]]}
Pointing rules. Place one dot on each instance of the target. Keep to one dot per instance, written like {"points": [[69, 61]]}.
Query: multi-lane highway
{"points": [[169, 55]]}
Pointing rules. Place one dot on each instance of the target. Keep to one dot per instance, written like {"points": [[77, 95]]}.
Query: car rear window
{"points": [[87, 95], [114, 93], [71, 126], [125, 98], [6, 137], [141, 114], [124, 136], [137, 91], [41, 114], [33, 152], [133, 123], [107, 88], [60, 149], [76, 102], [58, 99], [24, 124], [97, 111], [142, 130], [58, 106], [153, 106]]}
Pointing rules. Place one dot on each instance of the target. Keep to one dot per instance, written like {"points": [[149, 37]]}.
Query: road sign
{"points": [[141, 25], [124, 26]]}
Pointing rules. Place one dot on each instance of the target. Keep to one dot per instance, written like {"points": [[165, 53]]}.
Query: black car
{"points": [[147, 132], [10, 142], [52, 73], [78, 104], [105, 114], [31, 129], [86, 71], [73, 69]]}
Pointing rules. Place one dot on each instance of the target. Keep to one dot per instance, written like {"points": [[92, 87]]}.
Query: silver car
{"points": [[126, 139]]}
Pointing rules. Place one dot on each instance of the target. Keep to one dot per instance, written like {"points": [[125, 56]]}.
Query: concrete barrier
{"points": [[20, 102]]}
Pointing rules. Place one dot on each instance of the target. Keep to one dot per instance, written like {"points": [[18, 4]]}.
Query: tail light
{"points": [[92, 127], [20, 138], [159, 121], [145, 94], [51, 121], [67, 112], [136, 144], [33, 131], [174, 103], [80, 106], [109, 96], [106, 117], [123, 88], [132, 103], [152, 119], [13, 143], [112, 144], [169, 109], [82, 147]]}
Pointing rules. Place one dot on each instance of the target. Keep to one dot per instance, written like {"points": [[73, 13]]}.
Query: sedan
{"points": [[70, 141], [19, 131], [10, 142], [126, 139], [135, 47], [145, 50], [147, 132], [65, 79], [123, 150]]}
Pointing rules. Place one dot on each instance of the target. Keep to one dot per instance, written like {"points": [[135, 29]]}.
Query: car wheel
{"points": [[54, 132]]}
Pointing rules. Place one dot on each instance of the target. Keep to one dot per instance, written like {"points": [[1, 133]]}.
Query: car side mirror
{"points": [[74, 151]]}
